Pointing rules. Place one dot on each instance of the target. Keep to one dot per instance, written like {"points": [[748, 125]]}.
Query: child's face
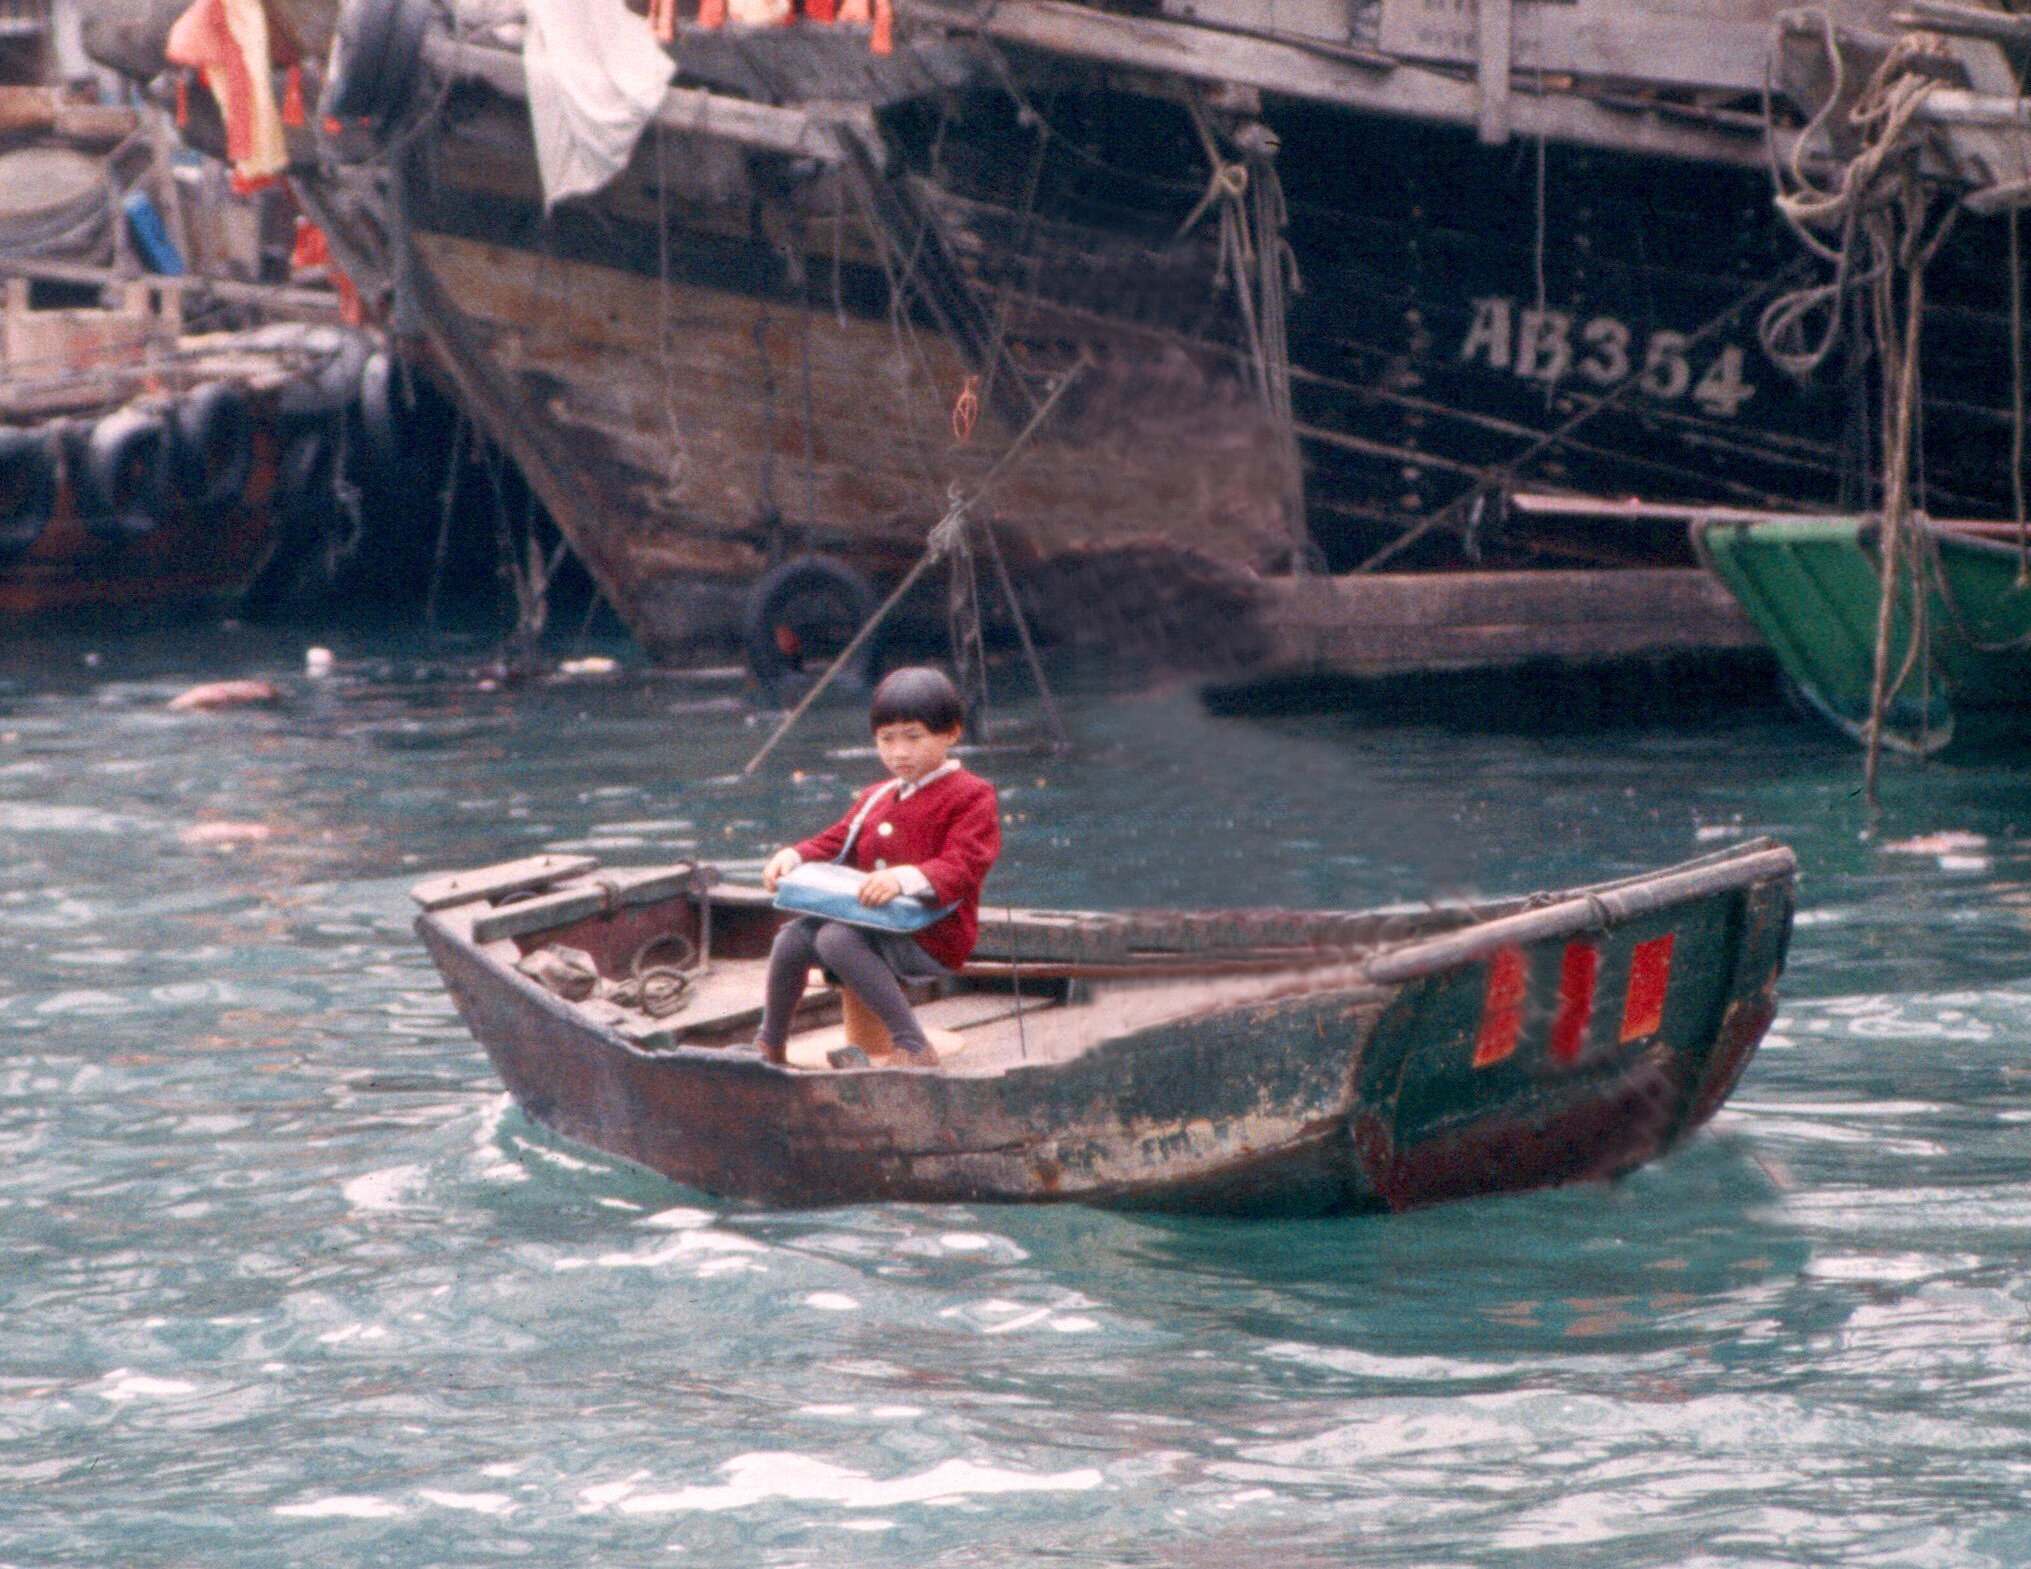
{"points": [[909, 749]]}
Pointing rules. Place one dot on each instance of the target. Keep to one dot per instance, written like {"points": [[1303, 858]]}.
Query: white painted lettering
{"points": [[1665, 371], [1722, 390], [1489, 336], [1544, 345], [1609, 363]]}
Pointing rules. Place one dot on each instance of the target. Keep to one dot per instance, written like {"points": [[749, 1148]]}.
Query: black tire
{"points": [[123, 483], [333, 386], [789, 603], [28, 490], [214, 447], [306, 475], [375, 51], [386, 408]]}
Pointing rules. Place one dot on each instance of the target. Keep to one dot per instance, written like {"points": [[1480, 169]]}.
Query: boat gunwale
{"points": [[1541, 918]]}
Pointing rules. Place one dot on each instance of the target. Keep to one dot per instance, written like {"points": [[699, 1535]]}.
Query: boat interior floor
{"points": [[980, 1028]]}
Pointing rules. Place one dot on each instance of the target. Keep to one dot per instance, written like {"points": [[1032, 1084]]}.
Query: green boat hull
{"points": [[1813, 586]]}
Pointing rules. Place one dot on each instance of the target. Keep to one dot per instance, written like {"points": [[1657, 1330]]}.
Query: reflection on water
{"points": [[287, 1280]]}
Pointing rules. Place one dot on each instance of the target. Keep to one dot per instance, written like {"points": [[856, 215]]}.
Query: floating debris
{"points": [[224, 694]]}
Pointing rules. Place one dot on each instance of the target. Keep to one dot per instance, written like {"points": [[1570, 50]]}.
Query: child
{"points": [[932, 831]]}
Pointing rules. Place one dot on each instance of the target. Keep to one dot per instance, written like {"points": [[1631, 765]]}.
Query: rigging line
{"points": [[900, 326], [1004, 314], [2017, 396], [1061, 740], [2017, 351], [459, 431], [955, 516], [1015, 980], [1496, 475], [810, 415], [1537, 257]]}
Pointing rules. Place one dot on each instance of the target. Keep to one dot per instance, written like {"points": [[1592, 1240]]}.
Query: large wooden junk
{"points": [[1336, 279]]}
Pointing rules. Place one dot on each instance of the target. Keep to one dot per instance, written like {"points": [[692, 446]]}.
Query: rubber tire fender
{"points": [[28, 489], [375, 50], [305, 478], [386, 405], [214, 446], [332, 386], [126, 469], [775, 589]]}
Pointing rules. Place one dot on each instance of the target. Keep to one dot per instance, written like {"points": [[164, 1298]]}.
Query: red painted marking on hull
{"points": [[1649, 980], [1502, 1007], [1578, 972]]}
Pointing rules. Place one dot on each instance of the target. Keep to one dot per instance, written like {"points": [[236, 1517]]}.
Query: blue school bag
{"points": [[831, 889]]}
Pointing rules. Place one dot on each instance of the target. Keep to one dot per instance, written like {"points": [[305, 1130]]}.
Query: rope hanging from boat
{"points": [[1840, 220], [1254, 254], [962, 620], [1871, 220], [945, 534]]}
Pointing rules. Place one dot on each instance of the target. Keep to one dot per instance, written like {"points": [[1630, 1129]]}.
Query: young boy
{"points": [[932, 830]]}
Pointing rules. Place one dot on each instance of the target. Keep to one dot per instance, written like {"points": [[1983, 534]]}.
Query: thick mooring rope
{"points": [[1870, 221]]}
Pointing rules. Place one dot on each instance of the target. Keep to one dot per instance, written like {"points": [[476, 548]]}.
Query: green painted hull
{"points": [[1811, 585]]}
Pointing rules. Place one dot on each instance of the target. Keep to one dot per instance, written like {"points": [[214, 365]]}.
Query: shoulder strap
{"points": [[853, 828]]}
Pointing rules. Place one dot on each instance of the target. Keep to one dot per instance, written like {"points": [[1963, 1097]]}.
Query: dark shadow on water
{"points": [[1628, 1266], [1539, 696]]}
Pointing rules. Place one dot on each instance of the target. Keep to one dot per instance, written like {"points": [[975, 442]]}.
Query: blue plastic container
{"points": [[151, 236]]}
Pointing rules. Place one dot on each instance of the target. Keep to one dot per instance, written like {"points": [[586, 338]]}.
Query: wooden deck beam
{"points": [[1300, 70], [804, 133], [1379, 624]]}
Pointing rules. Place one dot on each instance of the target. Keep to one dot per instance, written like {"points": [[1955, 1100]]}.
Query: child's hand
{"points": [[879, 889], [781, 864]]}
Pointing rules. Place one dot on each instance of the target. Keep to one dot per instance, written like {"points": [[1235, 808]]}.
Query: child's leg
{"points": [[790, 961], [846, 952]]}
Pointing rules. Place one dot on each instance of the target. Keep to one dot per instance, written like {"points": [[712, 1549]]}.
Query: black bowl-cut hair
{"points": [[917, 692]]}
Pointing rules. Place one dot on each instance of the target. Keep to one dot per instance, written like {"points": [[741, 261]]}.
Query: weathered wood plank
{"points": [[1610, 40], [798, 132], [1371, 624], [1204, 54], [491, 882], [614, 891], [1492, 59]]}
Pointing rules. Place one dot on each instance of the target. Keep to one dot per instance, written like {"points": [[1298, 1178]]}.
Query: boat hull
{"points": [[1813, 588], [1520, 1056]]}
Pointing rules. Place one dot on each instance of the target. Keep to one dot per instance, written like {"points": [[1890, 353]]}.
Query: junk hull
{"points": [[768, 336]]}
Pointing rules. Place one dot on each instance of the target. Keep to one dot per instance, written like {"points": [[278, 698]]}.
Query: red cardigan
{"points": [[950, 830]]}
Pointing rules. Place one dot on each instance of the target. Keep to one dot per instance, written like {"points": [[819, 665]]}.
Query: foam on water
{"points": [[757, 1478]]}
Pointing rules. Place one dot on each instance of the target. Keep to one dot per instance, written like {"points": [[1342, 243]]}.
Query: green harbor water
{"points": [[287, 1280]]}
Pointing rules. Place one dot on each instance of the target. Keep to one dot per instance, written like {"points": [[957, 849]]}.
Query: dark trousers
{"points": [[866, 964]]}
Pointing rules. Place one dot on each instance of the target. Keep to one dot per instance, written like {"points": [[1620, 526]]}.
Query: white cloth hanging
{"points": [[596, 76]]}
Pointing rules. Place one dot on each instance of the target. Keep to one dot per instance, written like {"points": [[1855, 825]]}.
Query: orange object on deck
{"points": [[712, 13], [884, 39]]}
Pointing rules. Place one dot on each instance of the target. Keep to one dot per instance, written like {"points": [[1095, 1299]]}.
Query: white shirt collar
{"points": [[907, 789]]}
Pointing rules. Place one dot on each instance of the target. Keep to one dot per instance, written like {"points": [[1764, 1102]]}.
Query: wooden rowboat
{"points": [[1238, 1062], [1813, 586]]}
